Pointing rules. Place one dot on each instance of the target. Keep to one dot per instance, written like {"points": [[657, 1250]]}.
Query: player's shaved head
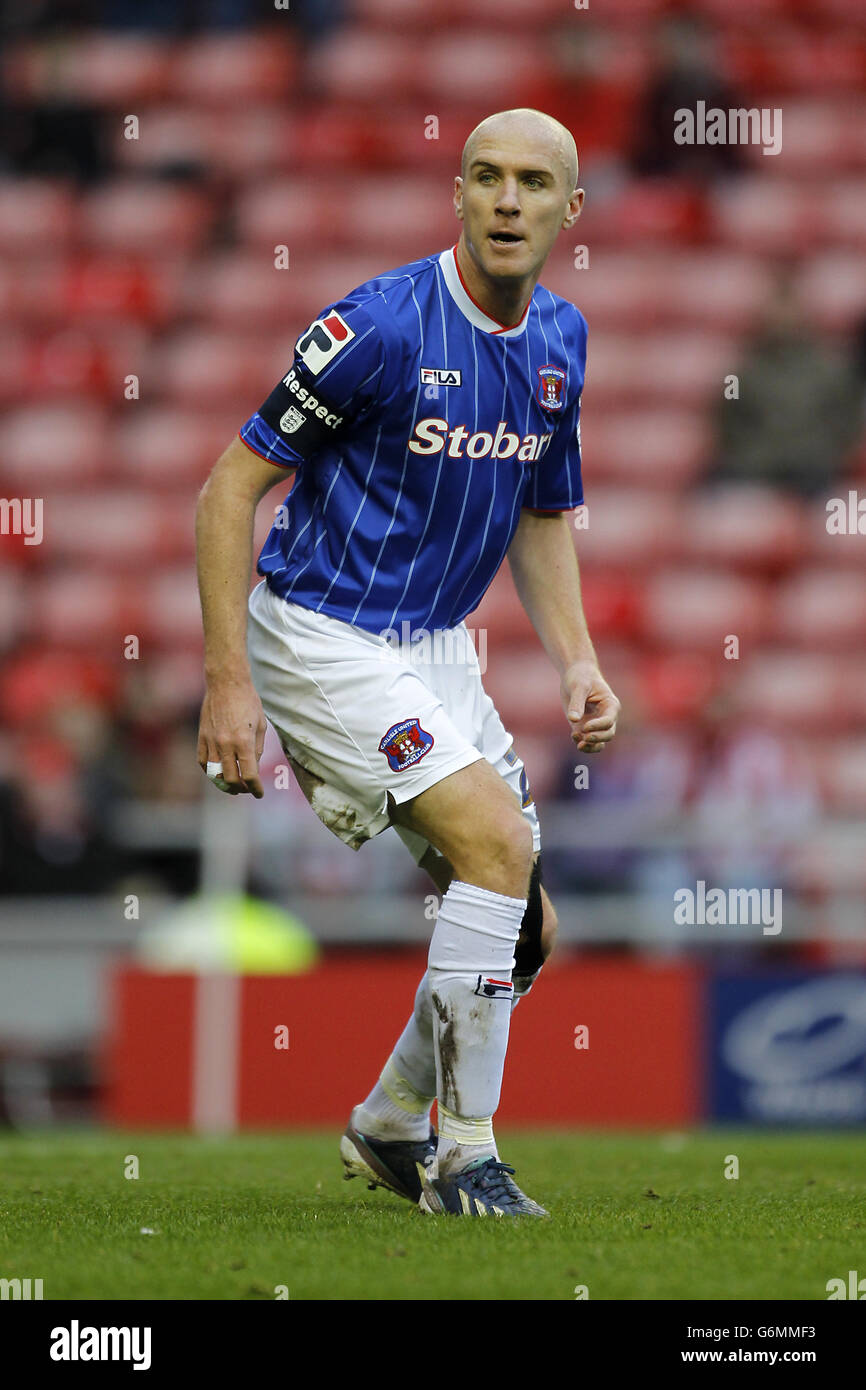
{"points": [[538, 128]]}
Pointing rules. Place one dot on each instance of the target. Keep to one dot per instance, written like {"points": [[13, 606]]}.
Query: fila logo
{"points": [[323, 340], [441, 376]]}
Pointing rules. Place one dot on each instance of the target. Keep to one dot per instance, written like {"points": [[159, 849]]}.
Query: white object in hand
{"points": [[215, 773]]}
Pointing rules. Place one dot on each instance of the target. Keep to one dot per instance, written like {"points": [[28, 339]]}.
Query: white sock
{"points": [[462, 1141], [398, 1107], [470, 963]]}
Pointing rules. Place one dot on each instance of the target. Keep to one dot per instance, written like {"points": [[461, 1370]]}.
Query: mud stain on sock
{"points": [[447, 1054]]}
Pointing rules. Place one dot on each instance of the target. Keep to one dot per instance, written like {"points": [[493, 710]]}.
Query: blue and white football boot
{"points": [[399, 1165], [483, 1188]]}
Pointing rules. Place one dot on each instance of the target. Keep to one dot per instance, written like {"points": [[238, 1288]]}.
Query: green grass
{"points": [[644, 1216]]}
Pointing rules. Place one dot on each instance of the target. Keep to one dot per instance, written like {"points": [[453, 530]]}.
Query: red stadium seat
{"points": [[290, 212], [502, 616], [648, 212], [745, 525], [655, 447], [120, 527], [38, 679], [630, 527], [77, 362], [35, 212], [833, 289], [51, 443], [201, 367], [823, 608], [167, 446], [83, 609], [145, 217], [220, 69], [356, 64], [99, 68], [843, 772], [399, 211], [775, 216], [432, 15], [813, 139], [797, 689], [843, 213], [723, 288], [171, 613], [674, 687], [685, 367], [486, 63], [841, 549], [13, 605], [100, 288], [13, 367], [719, 290], [700, 609], [171, 135], [524, 687], [241, 290], [321, 280]]}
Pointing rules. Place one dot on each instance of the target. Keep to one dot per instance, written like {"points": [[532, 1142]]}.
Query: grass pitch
{"points": [[638, 1216]]}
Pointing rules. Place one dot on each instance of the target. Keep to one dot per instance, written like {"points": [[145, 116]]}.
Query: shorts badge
{"points": [[405, 744]]}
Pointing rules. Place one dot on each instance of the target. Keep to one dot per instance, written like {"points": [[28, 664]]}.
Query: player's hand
{"points": [[231, 732], [591, 707]]}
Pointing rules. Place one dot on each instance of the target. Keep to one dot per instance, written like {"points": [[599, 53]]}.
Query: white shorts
{"points": [[360, 716]]}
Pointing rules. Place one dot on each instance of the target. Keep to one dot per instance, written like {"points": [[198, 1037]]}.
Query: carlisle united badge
{"points": [[405, 744], [551, 389]]}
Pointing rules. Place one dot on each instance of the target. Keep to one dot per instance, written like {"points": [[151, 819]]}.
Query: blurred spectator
{"points": [[643, 780], [579, 89], [760, 795], [685, 74], [799, 409], [53, 138]]}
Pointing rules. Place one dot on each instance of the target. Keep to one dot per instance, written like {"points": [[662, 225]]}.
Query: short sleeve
{"points": [[555, 484], [334, 379]]}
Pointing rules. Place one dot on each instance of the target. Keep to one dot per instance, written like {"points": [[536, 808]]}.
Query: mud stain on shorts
{"points": [[332, 809]]}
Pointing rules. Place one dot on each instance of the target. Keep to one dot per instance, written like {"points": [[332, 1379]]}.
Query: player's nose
{"points": [[509, 196]]}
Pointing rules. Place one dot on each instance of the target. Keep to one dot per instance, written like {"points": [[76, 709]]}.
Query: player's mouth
{"points": [[506, 239]]}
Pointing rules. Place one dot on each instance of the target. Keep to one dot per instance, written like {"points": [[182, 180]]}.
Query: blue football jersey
{"points": [[419, 427]]}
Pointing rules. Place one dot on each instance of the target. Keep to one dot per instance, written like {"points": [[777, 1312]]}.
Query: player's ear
{"points": [[458, 197], [575, 203]]}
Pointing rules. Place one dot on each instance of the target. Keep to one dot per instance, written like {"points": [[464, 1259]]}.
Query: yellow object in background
{"points": [[230, 932]]}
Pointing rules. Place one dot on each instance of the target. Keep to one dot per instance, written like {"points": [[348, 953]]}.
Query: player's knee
{"points": [[510, 844]]}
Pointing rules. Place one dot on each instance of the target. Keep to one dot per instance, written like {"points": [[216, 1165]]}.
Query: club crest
{"points": [[551, 388], [405, 744]]}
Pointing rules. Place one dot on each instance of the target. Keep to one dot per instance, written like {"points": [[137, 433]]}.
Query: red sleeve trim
{"points": [[289, 467]]}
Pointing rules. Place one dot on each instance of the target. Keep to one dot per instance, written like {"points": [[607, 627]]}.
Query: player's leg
{"points": [[475, 820], [462, 1052], [398, 1106]]}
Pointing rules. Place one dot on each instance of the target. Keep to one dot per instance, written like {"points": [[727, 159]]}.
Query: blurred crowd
{"points": [[87, 736]]}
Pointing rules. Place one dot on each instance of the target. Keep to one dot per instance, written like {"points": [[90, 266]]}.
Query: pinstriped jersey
{"points": [[419, 427]]}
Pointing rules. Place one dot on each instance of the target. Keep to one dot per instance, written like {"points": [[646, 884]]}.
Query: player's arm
{"points": [[232, 724], [546, 575]]}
